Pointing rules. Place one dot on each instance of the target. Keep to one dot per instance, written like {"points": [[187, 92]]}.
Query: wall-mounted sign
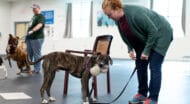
{"points": [[49, 16]]}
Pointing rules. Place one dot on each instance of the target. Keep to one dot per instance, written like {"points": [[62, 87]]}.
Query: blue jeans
{"points": [[34, 51], [155, 63]]}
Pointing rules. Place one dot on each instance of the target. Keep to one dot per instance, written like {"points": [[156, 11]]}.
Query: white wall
{"points": [[21, 11], [4, 24], [188, 18], [180, 46]]}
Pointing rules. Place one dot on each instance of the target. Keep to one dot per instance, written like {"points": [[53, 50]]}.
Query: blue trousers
{"points": [[34, 51], [155, 63]]}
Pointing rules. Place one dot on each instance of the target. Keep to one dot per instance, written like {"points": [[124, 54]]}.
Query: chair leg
{"points": [[66, 83], [95, 87], [108, 82]]}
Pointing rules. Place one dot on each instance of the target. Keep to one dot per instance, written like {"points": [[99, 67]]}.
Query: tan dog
{"points": [[78, 66], [17, 54]]}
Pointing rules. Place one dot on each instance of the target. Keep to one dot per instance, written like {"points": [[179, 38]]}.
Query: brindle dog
{"points": [[17, 54], [77, 66]]}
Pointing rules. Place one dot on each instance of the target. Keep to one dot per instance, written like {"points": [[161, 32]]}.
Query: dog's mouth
{"points": [[11, 49], [104, 69], [97, 69]]}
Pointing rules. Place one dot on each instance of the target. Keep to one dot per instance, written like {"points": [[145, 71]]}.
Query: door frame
{"points": [[20, 22]]}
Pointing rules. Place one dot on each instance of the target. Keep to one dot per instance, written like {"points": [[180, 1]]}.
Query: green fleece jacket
{"points": [[150, 27], [39, 34]]}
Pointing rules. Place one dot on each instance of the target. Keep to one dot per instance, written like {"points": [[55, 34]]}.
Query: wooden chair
{"points": [[102, 45]]}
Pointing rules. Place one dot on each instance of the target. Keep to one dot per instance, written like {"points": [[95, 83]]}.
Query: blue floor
{"points": [[175, 85]]}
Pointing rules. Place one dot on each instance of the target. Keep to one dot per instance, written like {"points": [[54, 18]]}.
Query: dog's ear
{"points": [[97, 57], [110, 60], [96, 54], [10, 35]]}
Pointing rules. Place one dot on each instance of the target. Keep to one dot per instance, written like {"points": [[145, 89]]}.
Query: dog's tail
{"points": [[32, 63]]}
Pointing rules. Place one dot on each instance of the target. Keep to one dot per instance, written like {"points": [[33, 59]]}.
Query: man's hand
{"points": [[132, 55], [144, 57], [30, 32]]}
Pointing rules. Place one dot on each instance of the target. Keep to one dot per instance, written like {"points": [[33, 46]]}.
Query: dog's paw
{"points": [[44, 101], [85, 103], [51, 99]]}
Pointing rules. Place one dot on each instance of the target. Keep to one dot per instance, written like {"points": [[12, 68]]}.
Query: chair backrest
{"points": [[102, 44]]}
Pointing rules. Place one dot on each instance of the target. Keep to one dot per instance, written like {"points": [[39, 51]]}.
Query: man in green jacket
{"points": [[147, 34], [35, 37]]}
